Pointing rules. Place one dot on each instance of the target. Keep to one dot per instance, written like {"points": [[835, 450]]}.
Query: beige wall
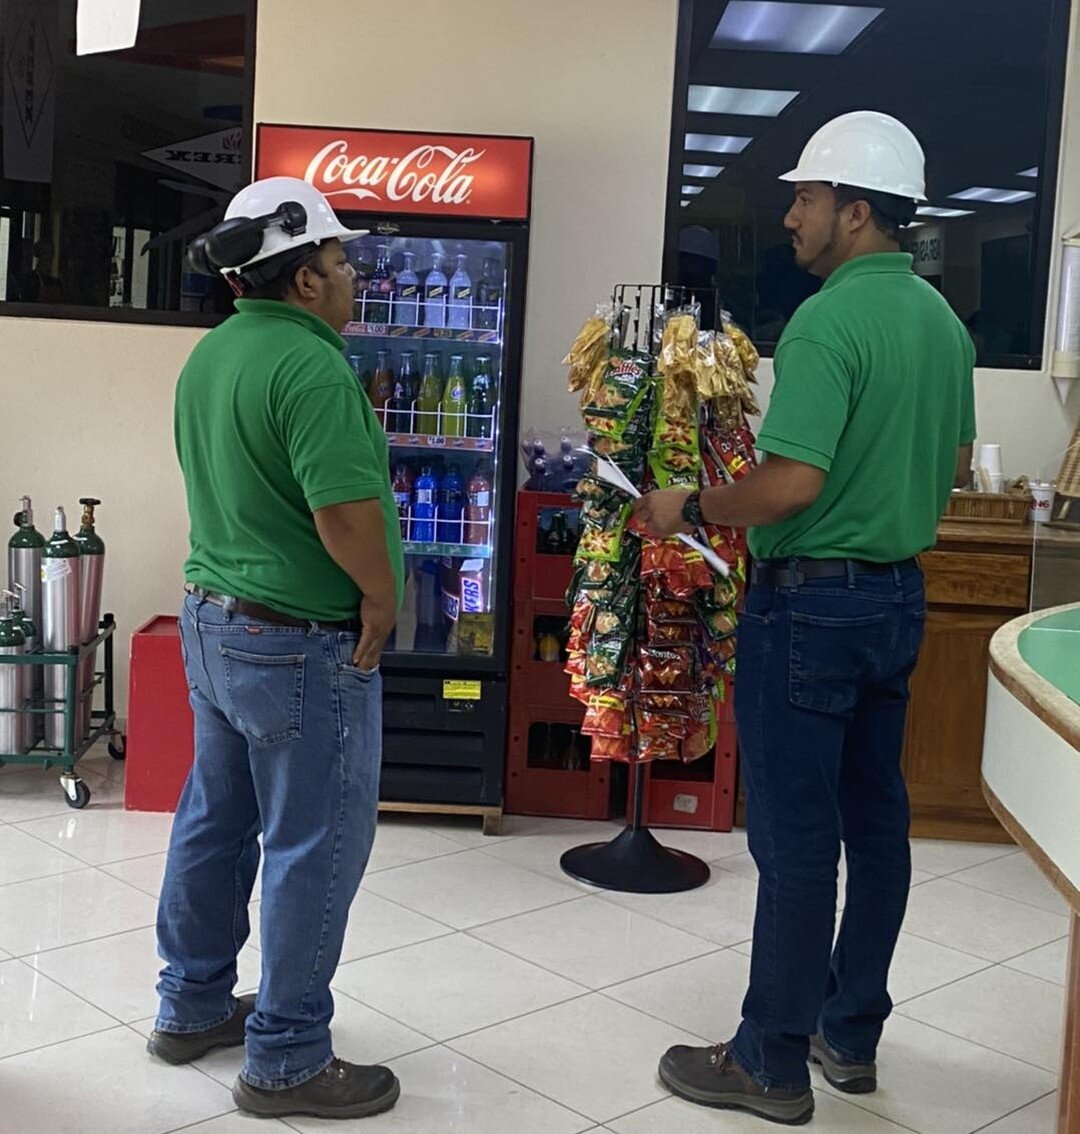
{"points": [[590, 81], [96, 403]]}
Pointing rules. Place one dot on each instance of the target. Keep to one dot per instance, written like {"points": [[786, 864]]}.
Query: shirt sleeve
{"points": [[330, 447], [809, 406]]}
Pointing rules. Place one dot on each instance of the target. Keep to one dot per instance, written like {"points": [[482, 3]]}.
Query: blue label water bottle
{"points": [[423, 509]]}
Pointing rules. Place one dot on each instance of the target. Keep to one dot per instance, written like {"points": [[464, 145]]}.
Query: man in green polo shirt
{"points": [[294, 581], [869, 426]]}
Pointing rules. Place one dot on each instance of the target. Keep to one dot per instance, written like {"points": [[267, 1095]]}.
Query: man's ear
{"points": [[860, 216], [304, 283]]}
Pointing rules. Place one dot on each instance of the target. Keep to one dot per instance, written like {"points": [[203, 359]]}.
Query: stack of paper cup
{"points": [[990, 462], [1042, 501]]}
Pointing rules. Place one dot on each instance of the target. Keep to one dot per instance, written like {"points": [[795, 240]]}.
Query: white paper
{"points": [[106, 25]]}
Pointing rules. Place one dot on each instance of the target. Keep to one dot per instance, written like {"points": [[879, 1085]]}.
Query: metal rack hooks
{"points": [[641, 309]]}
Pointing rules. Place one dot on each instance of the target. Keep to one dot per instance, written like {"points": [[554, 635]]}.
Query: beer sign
{"points": [[381, 171]]}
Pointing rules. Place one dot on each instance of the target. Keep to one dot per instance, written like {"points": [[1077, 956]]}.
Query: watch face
{"points": [[691, 511]]}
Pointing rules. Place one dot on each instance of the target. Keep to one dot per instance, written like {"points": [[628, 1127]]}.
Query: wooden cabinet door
{"points": [[943, 749]]}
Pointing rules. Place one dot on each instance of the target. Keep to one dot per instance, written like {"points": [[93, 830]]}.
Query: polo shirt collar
{"points": [[279, 309], [872, 264]]}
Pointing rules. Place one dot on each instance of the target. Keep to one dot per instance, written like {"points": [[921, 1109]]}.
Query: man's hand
{"points": [[377, 621], [661, 512]]}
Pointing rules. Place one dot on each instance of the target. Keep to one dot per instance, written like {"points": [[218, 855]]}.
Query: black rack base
{"points": [[635, 863]]}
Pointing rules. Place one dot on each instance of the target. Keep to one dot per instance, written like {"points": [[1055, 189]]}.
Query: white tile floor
{"points": [[506, 996]]}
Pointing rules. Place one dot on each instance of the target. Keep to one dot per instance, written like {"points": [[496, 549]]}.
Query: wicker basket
{"points": [[988, 507]]}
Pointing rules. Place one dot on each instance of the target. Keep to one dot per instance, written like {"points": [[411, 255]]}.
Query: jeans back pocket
{"points": [[266, 692], [832, 657]]}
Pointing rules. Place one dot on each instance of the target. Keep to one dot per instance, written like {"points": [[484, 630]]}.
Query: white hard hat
{"points": [[867, 150], [261, 198]]}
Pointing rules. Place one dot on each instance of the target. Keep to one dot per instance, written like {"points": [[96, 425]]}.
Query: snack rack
{"points": [[635, 861]]}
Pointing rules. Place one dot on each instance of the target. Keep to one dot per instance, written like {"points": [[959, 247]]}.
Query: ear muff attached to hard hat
{"points": [[239, 240]]}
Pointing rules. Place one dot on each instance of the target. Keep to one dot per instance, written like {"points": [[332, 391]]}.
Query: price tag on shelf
{"points": [[461, 696], [453, 690]]}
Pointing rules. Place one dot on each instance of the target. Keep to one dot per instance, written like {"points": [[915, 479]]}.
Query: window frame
{"points": [[1043, 231], [137, 315]]}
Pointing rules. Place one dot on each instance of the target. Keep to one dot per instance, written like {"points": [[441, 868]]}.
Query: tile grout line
{"points": [[1016, 1111], [1007, 897], [976, 1043], [74, 992], [56, 1043]]}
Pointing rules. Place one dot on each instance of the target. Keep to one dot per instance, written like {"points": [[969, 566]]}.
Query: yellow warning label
{"points": [[461, 690]]}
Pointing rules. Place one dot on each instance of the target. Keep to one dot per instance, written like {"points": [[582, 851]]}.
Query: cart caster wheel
{"points": [[81, 796], [118, 751]]}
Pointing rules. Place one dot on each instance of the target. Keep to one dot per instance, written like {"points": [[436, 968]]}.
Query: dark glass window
{"points": [[979, 82], [110, 163]]}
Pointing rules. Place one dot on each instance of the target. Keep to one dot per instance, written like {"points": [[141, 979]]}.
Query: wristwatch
{"points": [[691, 510]]}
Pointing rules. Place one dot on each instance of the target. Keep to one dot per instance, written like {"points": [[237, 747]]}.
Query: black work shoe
{"points": [[341, 1090], [186, 1047], [843, 1074], [710, 1076]]}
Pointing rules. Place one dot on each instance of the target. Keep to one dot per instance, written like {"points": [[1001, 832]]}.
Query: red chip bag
{"points": [[667, 669]]}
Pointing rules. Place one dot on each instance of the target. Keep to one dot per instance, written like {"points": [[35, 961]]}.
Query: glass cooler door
{"points": [[427, 346]]}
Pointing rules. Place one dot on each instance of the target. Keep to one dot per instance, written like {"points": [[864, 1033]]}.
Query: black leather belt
{"points": [[793, 572], [268, 614]]}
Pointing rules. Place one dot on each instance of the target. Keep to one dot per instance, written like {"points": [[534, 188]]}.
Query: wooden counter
{"points": [[978, 577]]}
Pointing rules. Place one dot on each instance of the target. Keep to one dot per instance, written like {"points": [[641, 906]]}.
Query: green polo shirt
{"points": [[271, 425], [874, 385]]}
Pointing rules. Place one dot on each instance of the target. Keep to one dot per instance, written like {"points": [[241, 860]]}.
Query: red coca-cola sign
{"points": [[380, 171]]}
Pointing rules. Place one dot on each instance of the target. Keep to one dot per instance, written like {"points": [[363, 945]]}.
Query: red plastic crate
{"points": [[536, 575], [540, 691], [532, 790], [160, 726], [699, 795]]}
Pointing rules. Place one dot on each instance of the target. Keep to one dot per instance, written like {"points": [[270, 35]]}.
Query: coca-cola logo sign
{"points": [[387, 172]]}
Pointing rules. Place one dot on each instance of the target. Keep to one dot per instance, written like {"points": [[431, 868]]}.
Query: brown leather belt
{"points": [[268, 614]]}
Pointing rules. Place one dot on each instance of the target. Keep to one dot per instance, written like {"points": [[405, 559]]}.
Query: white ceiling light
{"points": [[777, 25], [931, 211], [717, 143], [684, 203], [737, 100], [1032, 172], [993, 196], [105, 25], [692, 190], [702, 170]]}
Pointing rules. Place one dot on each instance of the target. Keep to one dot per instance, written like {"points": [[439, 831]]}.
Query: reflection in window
{"points": [[978, 81], [110, 163]]}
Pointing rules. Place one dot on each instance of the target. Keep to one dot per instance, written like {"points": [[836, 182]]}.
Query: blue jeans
{"points": [[288, 737], [820, 702]]}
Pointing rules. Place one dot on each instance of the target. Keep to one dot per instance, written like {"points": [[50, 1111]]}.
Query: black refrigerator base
{"points": [[634, 862]]}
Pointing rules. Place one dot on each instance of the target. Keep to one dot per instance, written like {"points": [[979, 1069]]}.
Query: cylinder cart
{"points": [[102, 721]]}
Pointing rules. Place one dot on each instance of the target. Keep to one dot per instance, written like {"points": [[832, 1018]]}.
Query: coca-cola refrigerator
{"points": [[436, 343]]}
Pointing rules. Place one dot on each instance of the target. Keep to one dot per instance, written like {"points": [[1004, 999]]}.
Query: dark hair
{"points": [[291, 262], [888, 212]]}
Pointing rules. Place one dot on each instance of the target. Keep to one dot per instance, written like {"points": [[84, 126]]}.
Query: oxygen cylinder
{"points": [[61, 623], [29, 727], [11, 642], [91, 572], [24, 570]]}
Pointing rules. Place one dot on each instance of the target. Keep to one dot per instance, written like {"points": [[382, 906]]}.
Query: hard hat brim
{"points": [[856, 183]]}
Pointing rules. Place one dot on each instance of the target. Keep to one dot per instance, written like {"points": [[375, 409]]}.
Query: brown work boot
{"points": [[710, 1076], [844, 1074], [186, 1047], [340, 1090]]}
